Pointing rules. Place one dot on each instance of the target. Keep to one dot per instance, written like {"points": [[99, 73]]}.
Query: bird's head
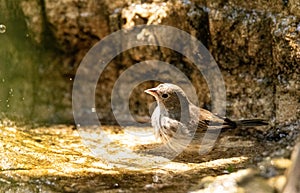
{"points": [[170, 96]]}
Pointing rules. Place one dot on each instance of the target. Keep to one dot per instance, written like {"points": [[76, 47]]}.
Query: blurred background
{"points": [[256, 45]]}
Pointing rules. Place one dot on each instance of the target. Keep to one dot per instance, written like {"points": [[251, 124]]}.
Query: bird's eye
{"points": [[164, 96]]}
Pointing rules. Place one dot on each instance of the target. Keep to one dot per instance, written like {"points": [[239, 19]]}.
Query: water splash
{"points": [[2, 28]]}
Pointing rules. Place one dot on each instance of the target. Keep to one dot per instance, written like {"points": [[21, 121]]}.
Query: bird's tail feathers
{"points": [[251, 122]]}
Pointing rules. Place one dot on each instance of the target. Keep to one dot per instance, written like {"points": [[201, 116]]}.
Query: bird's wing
{"points": [[213, 121]]}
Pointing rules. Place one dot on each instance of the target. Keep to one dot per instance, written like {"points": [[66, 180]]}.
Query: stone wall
{"points": [[256, 45]]}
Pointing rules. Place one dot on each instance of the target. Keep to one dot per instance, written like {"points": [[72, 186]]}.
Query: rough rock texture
{"points": [[256, 45], [76, 25], [286, 58], [245, 58]]}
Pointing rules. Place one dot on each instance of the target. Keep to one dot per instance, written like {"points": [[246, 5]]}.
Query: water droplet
{"points": [[10, 92], [7, 106], [2, 28], [3, 80], [78, 125], [93, 110], [116, 185]]}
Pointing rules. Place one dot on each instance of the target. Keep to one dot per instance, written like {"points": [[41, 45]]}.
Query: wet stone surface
{"points": [[57, 159], [256, 45]]}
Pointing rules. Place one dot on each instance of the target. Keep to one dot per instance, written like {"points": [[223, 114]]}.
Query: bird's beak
{"points": [[151, 91]]}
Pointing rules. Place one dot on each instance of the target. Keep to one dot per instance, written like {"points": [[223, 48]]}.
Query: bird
{"points": [[177, 121]]}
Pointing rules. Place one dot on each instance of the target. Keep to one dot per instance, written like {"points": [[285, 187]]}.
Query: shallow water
{"points": [[58, 159]]}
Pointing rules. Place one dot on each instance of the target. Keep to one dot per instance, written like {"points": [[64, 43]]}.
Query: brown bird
{"points": [[177, 121]]}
